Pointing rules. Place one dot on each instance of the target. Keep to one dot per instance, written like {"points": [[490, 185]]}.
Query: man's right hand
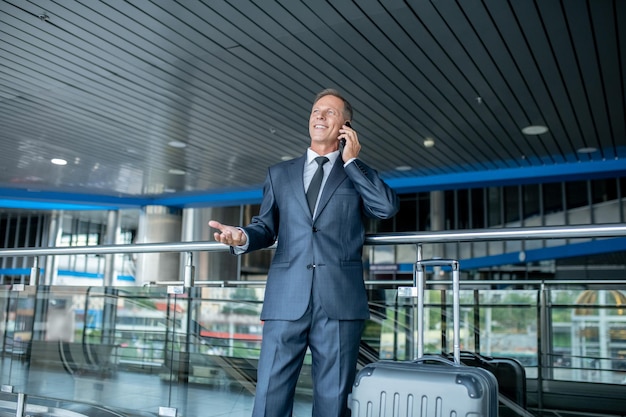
{"points": [[228, 235]]}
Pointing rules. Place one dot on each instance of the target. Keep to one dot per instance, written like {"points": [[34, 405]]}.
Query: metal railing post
{"points": [[35, 273], [20, 408], [190, 270]]}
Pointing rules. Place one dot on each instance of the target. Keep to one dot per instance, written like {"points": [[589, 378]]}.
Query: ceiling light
{"points": [[177, 144], [589, 149], [534, 130], [286, 158], [403, 168], [175, 171], [429, 142], [58, 161]]}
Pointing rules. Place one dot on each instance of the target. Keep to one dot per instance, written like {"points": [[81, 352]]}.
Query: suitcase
{"points": [[431, 385], [509, 372]]}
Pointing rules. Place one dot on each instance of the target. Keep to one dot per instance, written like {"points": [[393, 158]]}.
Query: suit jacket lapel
{"points": [[296, 175]]}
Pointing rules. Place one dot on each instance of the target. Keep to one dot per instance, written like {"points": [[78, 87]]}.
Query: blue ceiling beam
{"points": [[59, 200], [594, 247], [32, 199], [511, 176], [220, 198]]}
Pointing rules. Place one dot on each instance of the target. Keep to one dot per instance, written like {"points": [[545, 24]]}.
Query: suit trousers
{"points": [[334, 346]]}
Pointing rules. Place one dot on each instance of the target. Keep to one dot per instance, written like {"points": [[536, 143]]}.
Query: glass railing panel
{"points": [[18, 306], [588, 335], [137, 348], [12, 405], [507, 323], [499, 323], [212, 363]]}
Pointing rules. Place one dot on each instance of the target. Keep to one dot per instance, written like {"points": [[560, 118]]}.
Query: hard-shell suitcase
{"points": [[509, 372], [431, 385]]}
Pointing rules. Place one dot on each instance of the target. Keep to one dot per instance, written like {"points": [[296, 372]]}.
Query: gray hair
{"points": [[347, 107]]}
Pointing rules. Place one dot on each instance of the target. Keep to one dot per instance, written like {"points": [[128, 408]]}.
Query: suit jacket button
{"points": [[314, 229], [310, 266]]}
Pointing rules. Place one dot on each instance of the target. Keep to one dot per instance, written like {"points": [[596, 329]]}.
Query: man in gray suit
{"points": [[315, 296]]}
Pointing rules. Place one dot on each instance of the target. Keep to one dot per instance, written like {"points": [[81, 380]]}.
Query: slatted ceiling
{"points": [[386, 74], [593, 72], [571, 71], [608, 53], [499, 61], [584, 40], [552, 97], [484, 65], [231, 135], [573, 102], [521, 72], [466, 101], [305, 41], [413, 101], [261, 88], [51, 125], [430, 73], [100, 78]]}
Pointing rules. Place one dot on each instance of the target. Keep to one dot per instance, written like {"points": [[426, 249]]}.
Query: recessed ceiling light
{"points": [[589, 149], [404, 168], [534, 130], [286, 158], [177, 144], [58, 161], [429, 142], [175, 171]]}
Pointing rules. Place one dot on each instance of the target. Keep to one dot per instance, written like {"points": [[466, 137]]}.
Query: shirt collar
{"points": [[311, 155]]}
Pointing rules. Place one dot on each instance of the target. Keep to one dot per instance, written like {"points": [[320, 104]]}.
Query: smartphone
{"points": [[342, 141]]}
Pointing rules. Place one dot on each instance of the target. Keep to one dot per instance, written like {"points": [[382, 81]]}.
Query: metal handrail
{"points": [[517, 233], [403, 238], [415, 238]]}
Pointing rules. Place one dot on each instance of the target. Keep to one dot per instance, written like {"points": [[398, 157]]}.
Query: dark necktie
{"points": [[316, 182]]}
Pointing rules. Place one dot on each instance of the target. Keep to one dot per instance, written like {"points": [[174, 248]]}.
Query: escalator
{"points": [[12, 404]]}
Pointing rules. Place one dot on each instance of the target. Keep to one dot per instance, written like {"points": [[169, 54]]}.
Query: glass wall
{"points": [[534, 205], [527, 205], [136, 350]]}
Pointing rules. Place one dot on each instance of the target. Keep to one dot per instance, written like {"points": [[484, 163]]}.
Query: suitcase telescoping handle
{"points": [[418, 291]]}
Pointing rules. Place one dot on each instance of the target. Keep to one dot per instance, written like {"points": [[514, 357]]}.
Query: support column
{"points": [[112, 232], [55, 230], [158, 224], [208, 265], [437, 220]]}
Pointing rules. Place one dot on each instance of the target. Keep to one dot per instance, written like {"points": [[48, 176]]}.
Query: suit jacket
{"points": [[327, 248]]}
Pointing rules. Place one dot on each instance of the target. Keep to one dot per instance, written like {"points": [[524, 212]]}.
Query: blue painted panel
{"points": [[49, 200], [535, 255], [65, 273], [555, 252]]}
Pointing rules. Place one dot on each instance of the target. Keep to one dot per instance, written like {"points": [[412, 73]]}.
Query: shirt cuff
{"points": [[238, 250]]}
